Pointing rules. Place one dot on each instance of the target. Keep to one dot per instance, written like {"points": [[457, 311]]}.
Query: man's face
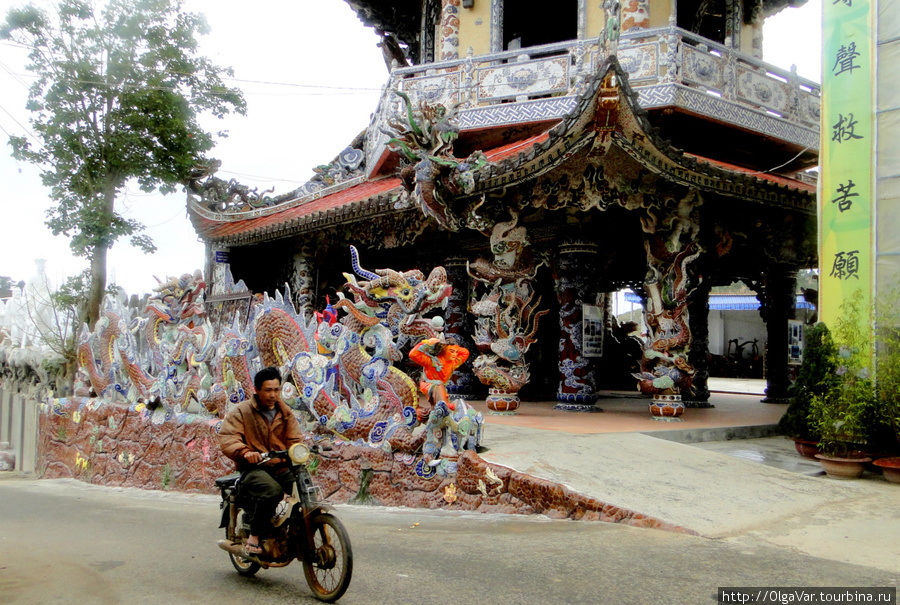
{"points": [[269, 392]]}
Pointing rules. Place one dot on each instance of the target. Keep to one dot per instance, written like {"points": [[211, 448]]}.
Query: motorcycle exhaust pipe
{"points": [[235, 548]]}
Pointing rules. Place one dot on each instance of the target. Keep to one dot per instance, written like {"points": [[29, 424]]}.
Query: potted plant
{"points": [[817, 375], [887, 380], [846, 411]]}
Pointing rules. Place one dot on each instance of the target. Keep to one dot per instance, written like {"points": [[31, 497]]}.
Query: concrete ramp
{"points": [[714, 494]]}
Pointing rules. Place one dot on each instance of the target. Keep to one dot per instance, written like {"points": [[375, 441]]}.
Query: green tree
{"points": [[119, 89]]}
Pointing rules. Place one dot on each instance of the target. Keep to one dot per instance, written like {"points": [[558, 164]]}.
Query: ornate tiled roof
{"points": [[518, 161], [362, 198], [640, 139], [327, 207]]}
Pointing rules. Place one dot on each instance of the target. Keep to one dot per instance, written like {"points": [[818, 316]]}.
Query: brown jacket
{"points": [[245, 429]]}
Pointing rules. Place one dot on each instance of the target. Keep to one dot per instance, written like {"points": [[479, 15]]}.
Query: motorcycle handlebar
{"points": [[284, 453]]}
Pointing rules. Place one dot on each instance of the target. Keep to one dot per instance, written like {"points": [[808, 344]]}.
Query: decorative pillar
{"points": [[754, 20], [506, 310], [635, 15], [778, 300], [449, 38], [575, 287], [698, 353], [458, 328], [303, 282], [670, 239]]}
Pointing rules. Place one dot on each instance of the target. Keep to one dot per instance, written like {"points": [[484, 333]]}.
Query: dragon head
{"points": [[403, 297]]}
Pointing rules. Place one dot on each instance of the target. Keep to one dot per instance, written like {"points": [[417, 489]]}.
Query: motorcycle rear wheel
{"points": [[245, 567], [328, 569]]}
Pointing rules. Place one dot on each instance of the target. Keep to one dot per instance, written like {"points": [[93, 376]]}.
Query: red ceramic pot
{"points": [[806, 447], [890, 468], [843, 468]]}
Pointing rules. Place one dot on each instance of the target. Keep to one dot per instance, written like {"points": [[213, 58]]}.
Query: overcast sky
{"points": [[311, 75]]}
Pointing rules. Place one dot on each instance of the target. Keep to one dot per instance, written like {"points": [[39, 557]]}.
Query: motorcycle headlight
{"points": [[299, 453]]}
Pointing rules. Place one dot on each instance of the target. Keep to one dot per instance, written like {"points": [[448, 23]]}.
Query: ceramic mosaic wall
{"points": [[132, 446], [544, 76]]}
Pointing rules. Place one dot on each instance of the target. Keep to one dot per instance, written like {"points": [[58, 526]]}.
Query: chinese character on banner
{"points": [[846, 56], [843, 130], [846, 265], [847, 2], [843, 200]]}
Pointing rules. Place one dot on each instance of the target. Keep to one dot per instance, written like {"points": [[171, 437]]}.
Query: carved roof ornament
{"points": [[424, 139], [219, 196]]}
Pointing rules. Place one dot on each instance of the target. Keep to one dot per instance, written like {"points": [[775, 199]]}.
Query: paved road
{"points": [[62, 541]]}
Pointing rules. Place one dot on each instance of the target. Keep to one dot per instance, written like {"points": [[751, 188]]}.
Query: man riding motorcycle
{"points": [[255, 427]]}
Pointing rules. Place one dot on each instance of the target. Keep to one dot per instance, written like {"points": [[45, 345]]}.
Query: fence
{"points": [[19, 427]]}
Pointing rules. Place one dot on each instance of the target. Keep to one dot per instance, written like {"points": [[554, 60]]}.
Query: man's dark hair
{"points": [[270, 373]]}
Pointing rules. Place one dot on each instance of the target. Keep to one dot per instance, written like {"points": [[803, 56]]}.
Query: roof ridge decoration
{"points": [[220, 200]]}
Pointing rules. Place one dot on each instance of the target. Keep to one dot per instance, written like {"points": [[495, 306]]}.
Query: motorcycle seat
{"points": [[228, 480]]}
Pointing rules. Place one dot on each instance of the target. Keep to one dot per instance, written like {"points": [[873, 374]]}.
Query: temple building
{"points": [[547, 158]]}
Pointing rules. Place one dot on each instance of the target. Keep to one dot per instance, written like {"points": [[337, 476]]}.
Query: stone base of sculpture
{"points": [[668, 408], [690, 403], [570, 402], [577, 407], [501, 402]]}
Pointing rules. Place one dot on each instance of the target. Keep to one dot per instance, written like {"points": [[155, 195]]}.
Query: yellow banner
{"points": [[846, 156]]}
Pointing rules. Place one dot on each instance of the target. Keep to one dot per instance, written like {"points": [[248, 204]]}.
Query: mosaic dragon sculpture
{"points": [[164, 358], [671, 247], [506, 312], [344, 373], [424, 139]]}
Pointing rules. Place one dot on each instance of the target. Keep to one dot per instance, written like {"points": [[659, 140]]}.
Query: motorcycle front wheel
{"points": [[245, 567], [329, 567]]}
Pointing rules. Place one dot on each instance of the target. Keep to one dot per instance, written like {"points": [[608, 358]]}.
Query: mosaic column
{"points": [[449, 39], [458, 327], [218, 269], [506, 312], [698, 354], [575, 287], [778, 300], [635, 15], [754, 20], [303, 282], [671, 245]]}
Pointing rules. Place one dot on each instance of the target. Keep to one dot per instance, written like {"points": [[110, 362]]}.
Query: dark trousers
{"points": [[261, 491]]}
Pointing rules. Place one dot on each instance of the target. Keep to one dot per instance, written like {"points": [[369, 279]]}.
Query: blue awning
{"points": [[728, 302]]}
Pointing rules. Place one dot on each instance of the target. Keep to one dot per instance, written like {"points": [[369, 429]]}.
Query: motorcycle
{"points": [[310, 532]]}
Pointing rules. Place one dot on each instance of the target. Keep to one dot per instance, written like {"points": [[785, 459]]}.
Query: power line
{"points": [[13, 118], [262, 178], [233, 79], [14, 75]]}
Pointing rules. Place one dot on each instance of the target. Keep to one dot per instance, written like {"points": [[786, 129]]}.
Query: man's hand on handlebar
{"points": [[253, 457]]}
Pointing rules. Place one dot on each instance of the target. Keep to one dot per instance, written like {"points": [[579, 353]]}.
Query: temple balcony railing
{"points": [[668, 68]]}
